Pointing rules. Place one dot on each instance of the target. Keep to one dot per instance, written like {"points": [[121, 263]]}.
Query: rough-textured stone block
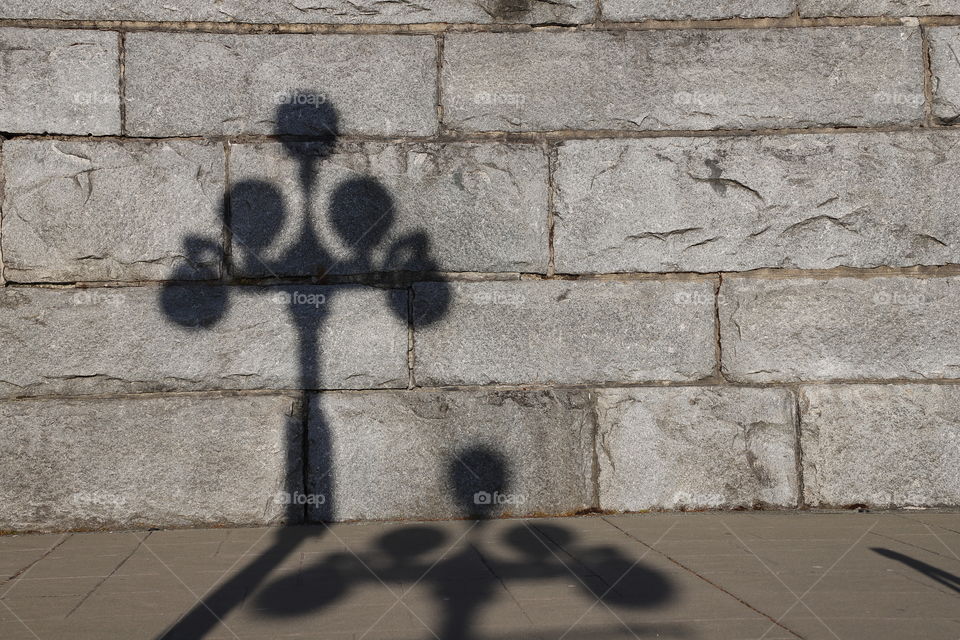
{"points": [[944, 44], [388, 207], [680, 79], [882, 446], [202, 84], [563, 332], [415, 454], [120, 462], [696, 447], [819, 8], [308, 11], [840, 328], [740, 203], [631, 10], [59, 81], [78, 210], [201, 337]]}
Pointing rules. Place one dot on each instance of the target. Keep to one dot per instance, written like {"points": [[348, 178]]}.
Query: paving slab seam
{"points": [[16, 576], [503, 585], [140, 543], [915, 546], [705, 579]]}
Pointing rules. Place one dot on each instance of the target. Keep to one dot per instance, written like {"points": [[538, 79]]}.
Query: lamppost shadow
{"points": [[360, 212]]}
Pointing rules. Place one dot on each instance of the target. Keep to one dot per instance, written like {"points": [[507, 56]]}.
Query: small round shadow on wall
{"points": [[479, 478]]}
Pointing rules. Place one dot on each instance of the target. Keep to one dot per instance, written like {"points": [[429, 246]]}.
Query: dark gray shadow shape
{"points": [[255, 213], [947, 579], [464, 578]]}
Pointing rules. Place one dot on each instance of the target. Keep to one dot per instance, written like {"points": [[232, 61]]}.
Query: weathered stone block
{"points": [[119, 462], [564, 332], [635, 10], [944, 42], [59, 81], [740, 203], [696, 447], [207, 84], [308, 11], [682, 79], [840, 328], [389, 207], [842, 8], [104, 210], [881, 445], [416, 454], [201, 337]]}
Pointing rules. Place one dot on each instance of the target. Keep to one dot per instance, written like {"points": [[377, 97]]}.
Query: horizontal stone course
{"points": [[806, 201], [543, 332], [881, 445], [213, 84], [130, 339], [307, 11], [945, 80], [682, 79], [414, 454], [107, 210], [635, 10], [783, 330], [696, 448], [59, 81], [844, 8], [390, 207], [146, 461]]}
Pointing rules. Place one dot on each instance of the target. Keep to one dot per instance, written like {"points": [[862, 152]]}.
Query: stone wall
{"points": [[329, 260]]}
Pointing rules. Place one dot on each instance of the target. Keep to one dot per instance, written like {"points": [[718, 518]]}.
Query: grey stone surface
{"points": [[739, 203], [944, 44], [449, 207], [682, 79], [818, 8], [414, 454], [308, 11], [840, 328], [200, 337], [881, 445], [696, 448], [542, 332], [105, 210], [207, 84], [59, 81], [120, 462], [630, 10]]}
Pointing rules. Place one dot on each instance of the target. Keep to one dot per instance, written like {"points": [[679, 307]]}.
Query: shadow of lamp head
{"points": [[306, 114], [410, 542], [533, 543], [479, 479], [361, 212], [308, 127], [258, 214], [195, 306]]}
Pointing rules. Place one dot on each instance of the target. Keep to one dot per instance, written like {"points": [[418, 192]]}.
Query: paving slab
{"points": [[670, 575]]}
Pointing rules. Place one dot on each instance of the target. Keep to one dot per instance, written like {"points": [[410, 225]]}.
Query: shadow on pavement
{"points": [[945, 578]]}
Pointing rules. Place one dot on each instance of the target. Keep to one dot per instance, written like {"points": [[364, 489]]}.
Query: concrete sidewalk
{"points": [[711, 576]]}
